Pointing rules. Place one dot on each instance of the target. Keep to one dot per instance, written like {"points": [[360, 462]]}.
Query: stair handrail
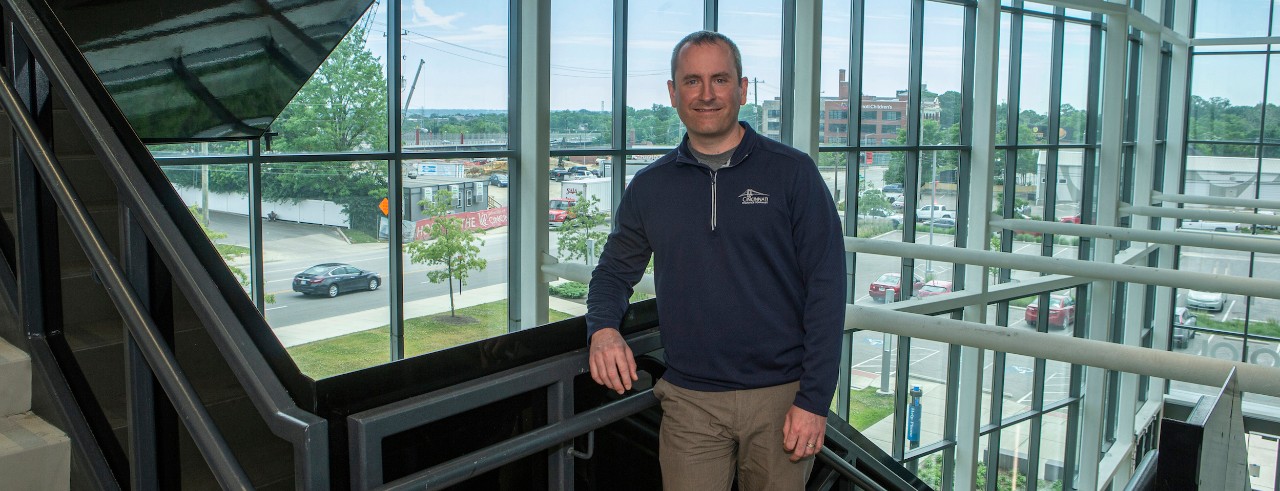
{"points": [[307, 432], [844, 468], [137, 319], [460, 469]]}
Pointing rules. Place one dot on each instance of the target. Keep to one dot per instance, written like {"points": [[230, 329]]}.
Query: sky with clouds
{"points": [[463, 48]]}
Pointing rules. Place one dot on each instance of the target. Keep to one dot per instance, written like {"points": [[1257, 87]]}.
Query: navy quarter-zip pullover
{"points": [[748, 264]]}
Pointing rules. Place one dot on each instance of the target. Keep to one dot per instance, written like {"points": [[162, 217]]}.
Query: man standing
{"points": [[750, 275]]}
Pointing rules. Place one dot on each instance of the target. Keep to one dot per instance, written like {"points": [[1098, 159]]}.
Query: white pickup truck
{"points": [[929, 212], [1210, 226]]}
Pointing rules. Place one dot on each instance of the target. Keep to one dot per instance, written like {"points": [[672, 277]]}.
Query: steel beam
{"points": [[1088, 352], [1216, 200], [1242, 217], [1234, 242], [1259, 287]]}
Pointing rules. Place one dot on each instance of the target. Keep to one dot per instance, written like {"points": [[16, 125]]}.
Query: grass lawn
{"points": [[230, 250], [1206, 320], [358, 237], [363, 349], [866, 407]]}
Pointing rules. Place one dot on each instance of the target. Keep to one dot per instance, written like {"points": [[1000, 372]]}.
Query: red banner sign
{"points": [[472, 220]]}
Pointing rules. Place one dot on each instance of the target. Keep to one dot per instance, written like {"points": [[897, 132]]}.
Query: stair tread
{"points": [[33, 454], [26, 431], [10, 354], [15, 380]]}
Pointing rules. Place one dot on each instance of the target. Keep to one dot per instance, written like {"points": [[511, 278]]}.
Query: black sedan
{"points": [[334, 278]]}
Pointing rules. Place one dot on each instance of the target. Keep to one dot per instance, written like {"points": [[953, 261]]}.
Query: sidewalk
{"points": [[316, 330]]}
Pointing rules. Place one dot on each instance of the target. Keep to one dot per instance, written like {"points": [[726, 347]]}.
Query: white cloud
{"points": [[424, 16], [477, 36], [746, 13]]}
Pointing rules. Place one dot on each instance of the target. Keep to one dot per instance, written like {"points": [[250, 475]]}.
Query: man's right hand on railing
{"points": [[612, 364]]}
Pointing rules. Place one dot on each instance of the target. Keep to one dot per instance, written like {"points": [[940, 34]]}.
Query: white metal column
{"points": [[1175, 141], [808, 77], [529, 186], [1144, 171], [981, 156], [1110, 159]]}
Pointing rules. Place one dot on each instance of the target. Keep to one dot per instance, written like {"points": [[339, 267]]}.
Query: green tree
{"points": [[872, 200], [342, 108], [951, 102], [587, 224], [931, 133], [1215, 119], [449, 245]]}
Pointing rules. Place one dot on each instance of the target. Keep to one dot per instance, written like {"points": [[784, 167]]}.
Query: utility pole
{"points": [[755, 82]]}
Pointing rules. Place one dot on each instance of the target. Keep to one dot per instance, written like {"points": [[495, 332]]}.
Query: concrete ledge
{"points": [[15, 380], [33, 454]]}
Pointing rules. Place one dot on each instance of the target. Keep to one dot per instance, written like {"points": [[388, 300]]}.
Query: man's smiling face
{"points": [[707, 91]]}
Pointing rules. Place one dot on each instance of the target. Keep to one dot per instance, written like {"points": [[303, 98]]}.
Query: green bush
{"points": [[358, 237], [570, 289], [873, 230]]}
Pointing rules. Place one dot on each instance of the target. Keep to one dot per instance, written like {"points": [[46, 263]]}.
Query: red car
{"points": [[1062, 311], [932, 288], [1070, 219], [890, 282]]}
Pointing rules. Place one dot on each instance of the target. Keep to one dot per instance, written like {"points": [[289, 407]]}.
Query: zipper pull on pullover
{"points": [[713, 200]]}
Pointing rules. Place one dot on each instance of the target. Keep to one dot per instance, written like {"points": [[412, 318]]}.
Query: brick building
{"points": [[881, 119]]}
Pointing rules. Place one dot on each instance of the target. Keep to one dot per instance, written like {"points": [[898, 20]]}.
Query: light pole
{"points": [[933, 196]]}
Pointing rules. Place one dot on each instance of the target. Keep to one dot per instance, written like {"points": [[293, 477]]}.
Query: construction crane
{"points": [[414, 84]]}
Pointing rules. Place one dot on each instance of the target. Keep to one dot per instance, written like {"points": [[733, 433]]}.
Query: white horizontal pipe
{"points": [[1216, 200], [1244, 41], [1257, 287], [1111, 356], [582, 273], [1070, 349], [1235, 242], [1243, 217]]}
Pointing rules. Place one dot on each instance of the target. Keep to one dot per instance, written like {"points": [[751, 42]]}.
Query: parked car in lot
{"points": [[891, 188], [1266, 227], [879, 215], [1210, 226], [933, 212], [1070, 219], [1211, 301], [942, 222], [1182, 320], [499, 180], [574, 172], [934, 288], [1062, 311], [331, 279], [890, 282]]}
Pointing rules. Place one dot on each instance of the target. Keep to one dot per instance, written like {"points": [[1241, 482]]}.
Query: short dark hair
{"points": [[706, 37]]}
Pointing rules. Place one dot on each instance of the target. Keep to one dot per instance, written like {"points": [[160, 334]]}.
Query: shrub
{"points": [[571, 289]]}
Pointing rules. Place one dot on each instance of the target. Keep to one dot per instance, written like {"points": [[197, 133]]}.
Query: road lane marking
{"points": [[277, 308], [1227, 311]]}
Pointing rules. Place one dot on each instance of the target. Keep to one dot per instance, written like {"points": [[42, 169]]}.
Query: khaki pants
{"points": [[706, 436]]}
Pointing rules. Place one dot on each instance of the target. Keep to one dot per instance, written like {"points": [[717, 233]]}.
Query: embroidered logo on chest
{"points": [[753, 197]]}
